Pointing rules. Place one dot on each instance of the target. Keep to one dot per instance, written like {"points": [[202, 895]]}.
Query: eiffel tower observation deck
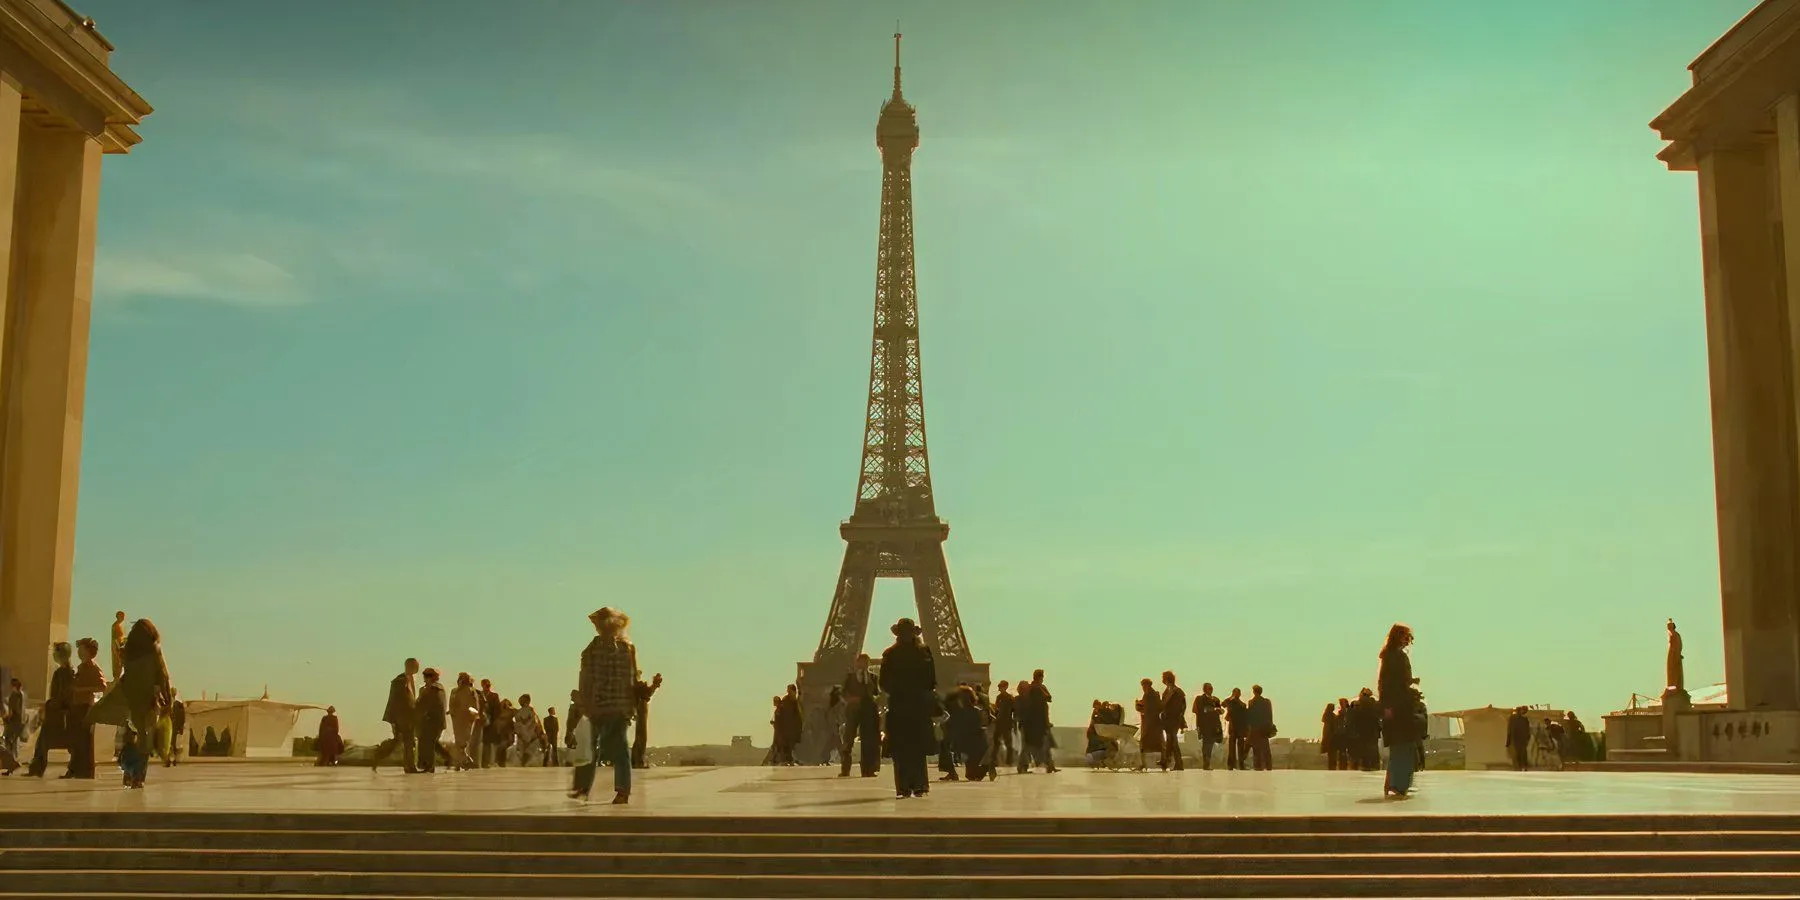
{"points": [[894, 530]]}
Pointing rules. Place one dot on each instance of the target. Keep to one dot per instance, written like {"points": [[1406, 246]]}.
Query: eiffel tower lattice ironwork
{"points": [[894, 530]]}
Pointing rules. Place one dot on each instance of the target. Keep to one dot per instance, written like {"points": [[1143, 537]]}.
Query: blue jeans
{"points": [[1403, 759], [609, 746]]}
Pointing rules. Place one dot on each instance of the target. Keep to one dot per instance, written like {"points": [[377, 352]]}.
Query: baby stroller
{"points": [[1119, 746]]}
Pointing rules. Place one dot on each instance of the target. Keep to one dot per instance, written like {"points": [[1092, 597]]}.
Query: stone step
{"points": [[152, 864], [551, 842], [63, 883], [605, 820]]}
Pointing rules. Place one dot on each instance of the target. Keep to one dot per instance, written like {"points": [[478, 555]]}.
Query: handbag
{"points": [[581, 748]]}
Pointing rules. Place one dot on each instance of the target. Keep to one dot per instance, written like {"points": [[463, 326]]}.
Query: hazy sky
{"points": [[426, 328]]}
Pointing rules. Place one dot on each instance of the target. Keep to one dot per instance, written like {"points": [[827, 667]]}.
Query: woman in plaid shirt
{"points": [[608, 695]]}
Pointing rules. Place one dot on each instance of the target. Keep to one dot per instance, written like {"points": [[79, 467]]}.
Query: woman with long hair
{"points": [[1401, 728], [131, 701], [909, 677]]}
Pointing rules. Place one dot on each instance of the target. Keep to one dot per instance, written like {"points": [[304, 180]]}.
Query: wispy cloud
{"points": [[242, 279], [355, 188]]}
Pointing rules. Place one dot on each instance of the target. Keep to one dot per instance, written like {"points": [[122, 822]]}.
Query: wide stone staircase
{"points": [[598, 855]]}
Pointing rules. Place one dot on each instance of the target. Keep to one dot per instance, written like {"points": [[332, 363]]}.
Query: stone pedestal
{"points": [[1675, 704]]}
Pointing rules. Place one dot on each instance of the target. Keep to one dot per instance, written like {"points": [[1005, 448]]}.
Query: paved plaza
{"points": [[275, 787]]}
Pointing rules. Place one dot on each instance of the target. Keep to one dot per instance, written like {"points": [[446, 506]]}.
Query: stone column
{"points": [[45, 375], [11, 108], [1757, 466]]}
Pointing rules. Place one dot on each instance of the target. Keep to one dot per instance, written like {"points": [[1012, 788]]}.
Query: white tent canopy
{"points": [[255, 728]]}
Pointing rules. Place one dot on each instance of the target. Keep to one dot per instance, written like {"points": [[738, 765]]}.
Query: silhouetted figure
{"points": [[1558, 740], [53, 732], [132, 699], [1259, 727], [574, 719], [1005, 723], [552, 749], [967, 728], [1032, 705], [861, 694], [432, 711], [640, 741], [178, 725], [946, 741], [1237, 731], [1579, 743], [1343, 737], [787, 726], [494, 725], [1207, 714], [400, 718], [1402, 712], [329, 744], [90, 685], [12, 716], [1150, 733], [909, 677], [1174, 722], [1518, 739], [1328, 736]]}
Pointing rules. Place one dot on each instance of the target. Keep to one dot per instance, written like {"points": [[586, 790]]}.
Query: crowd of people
{"points": [[138, 699], [968, 729], [895, 712], [470, 727]]}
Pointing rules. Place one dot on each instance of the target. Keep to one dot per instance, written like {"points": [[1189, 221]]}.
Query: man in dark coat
{"points": [[1174, 722], [1236, 730], [1207, 712], [861, 695], [433, 716], [493, 727], [1033, 708], [909, 678], [1260, 728], [1518, 739], [399, 715], [1005, 723], [552, 730], [640, 739]]}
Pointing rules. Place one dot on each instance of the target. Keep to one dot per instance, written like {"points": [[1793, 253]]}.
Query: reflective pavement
{"points": [[278, 787]]}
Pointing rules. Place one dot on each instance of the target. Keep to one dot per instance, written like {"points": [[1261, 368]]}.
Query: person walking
{"points": [[1207, 713], [609, 675], [1401, 728], [14, 719], [1259, 728], [465, 721], [1174, 722], [400, 718], [432, 715], [54, 730], [640, 734], [909, 677], [133, 699], [862, 720], [1236, 731]]}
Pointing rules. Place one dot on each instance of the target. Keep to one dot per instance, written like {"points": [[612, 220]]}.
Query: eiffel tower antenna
{"points": [[896, 59], [893, 530]]}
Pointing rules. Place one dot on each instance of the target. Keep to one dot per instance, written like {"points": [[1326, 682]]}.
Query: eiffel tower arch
{"points": [[894, 530]]}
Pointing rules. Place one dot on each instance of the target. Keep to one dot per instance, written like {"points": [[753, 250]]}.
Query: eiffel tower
{"points": [[894, 531]]}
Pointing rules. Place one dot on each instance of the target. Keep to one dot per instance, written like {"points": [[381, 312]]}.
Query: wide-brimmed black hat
{"points": [[906, 628]]}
